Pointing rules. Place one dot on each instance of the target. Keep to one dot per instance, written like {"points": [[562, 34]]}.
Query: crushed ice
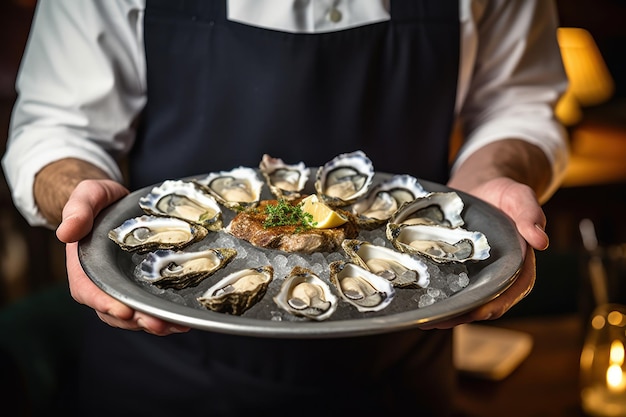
{"points": [[446, 279]]}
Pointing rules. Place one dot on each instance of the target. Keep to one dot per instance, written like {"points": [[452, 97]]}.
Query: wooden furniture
{"points": [[544, 385]]}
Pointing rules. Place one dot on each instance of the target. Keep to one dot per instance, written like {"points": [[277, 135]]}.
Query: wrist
{"points": [[514, 159], [55, 182]]}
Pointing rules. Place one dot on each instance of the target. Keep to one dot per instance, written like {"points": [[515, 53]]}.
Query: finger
{"points": [[531, 227], [143, 322], [529, 218], [156, 326], [109, 310], [84, 291], [496, 308], [86, 201]]}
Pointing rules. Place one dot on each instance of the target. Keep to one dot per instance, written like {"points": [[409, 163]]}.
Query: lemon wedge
{"points": [[323, 216]]}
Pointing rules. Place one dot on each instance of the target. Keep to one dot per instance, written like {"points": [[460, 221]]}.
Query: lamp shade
{"points": [[590, 80]]}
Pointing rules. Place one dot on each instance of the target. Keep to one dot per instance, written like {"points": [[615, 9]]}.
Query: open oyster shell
{"points": [[178, 269], [360, 287], [239, 291], [401, 269], [285, 181], [442, 208], [344, 179], [184, 200], [238, 189], [304, 294], [440, 243], [146, 233], [382, 201]]}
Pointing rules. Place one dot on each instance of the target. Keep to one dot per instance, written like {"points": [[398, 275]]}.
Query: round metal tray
{"points": [[112, 269]]}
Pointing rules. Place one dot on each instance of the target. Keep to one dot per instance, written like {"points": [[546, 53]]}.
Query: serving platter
{"points": [[113, 270]]}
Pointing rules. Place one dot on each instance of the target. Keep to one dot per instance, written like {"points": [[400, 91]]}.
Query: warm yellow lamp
{"points": [[590, 80]]}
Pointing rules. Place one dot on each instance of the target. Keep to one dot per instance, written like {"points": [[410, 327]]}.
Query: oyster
{"points": [[440, 243], [178, 269], [385, 198], [145, 233], [184, 200], [304, 294], [239, 188], [345, 178], [401, 269], [442, 208], [239, 291], [360, 287], [284, 181]]}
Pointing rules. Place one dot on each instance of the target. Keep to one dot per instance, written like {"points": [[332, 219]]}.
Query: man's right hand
{"points": [[85, 202]]}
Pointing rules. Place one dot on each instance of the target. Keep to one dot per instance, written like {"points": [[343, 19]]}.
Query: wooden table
{"points": [[544, 385]]}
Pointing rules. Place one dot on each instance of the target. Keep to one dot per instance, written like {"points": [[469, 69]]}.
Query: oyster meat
{"points": [[442, 208], [285, 181], [440, 243], [401, 269], [179, 269], [385, 198], [238, 291], [184, 200], [304, 294], [344, 179], [146, 233], [360, 287], [238, 189]]}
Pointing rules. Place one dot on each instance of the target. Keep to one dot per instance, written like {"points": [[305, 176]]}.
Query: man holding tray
{"points": [[168, 89]]}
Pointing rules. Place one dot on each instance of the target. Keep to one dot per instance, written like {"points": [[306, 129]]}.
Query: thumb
{"points": [[86, 201]]}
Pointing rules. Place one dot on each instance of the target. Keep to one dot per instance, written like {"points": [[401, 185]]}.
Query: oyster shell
{"points": [[304, 294], [239, 291], [440, 243], [442, 208], [238, 189], [178, 269], [285, 181], [184, 200], [344, 179], [385, 198], [360, 287], [401, 269], [147, 232]]}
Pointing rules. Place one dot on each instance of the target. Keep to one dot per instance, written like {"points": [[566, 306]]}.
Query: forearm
{"points": [[513, 158], [56, 181]]}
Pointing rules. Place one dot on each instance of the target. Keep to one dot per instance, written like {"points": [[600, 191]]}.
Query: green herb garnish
{"points": [[286, 214]]}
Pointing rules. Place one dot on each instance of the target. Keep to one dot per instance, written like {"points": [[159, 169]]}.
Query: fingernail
{"points": [[540, 227], [176, 330]]}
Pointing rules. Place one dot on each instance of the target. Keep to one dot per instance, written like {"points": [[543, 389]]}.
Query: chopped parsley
{"points": [[286, 214]]}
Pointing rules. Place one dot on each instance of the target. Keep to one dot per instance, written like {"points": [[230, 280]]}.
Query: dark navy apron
{"points": [[221, 94]]}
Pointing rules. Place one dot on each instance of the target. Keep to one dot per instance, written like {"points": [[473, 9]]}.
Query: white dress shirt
{"points": [[82, 81]]}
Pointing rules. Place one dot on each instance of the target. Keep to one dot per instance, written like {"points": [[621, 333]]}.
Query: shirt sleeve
{"points": [[517, 77], [80, 88]]}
